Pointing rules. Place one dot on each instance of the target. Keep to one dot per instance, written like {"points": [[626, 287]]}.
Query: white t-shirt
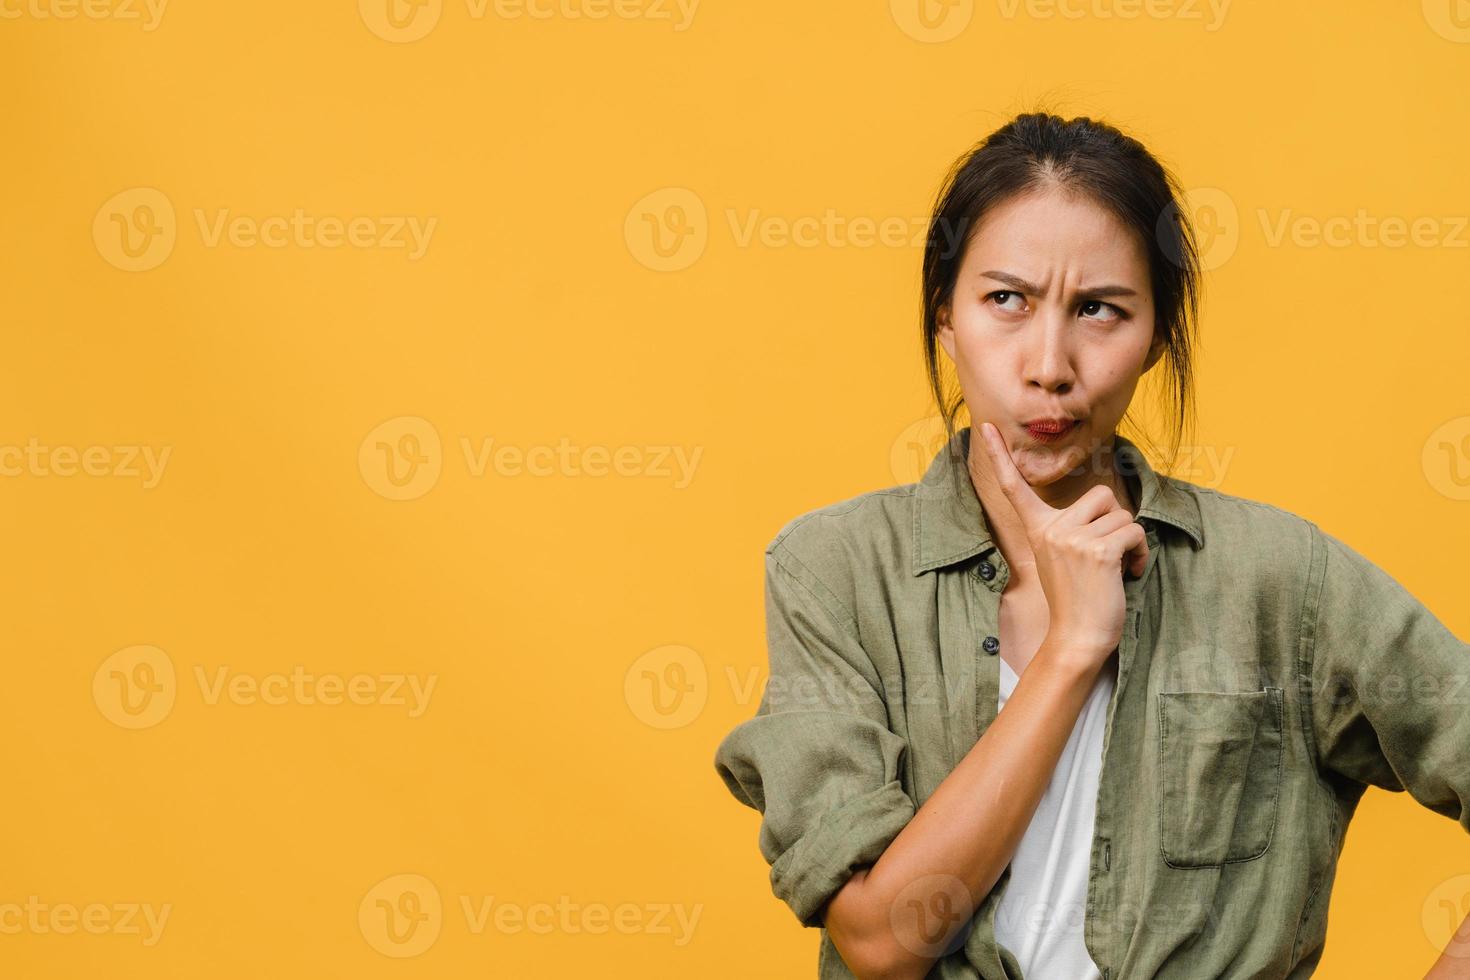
{"points": [[1041, 912]]}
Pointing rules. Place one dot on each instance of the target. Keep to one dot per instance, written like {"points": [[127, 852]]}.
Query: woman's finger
{"points": [[1032, 510]]}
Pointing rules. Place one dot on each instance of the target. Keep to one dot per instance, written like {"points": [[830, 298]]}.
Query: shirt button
{"points": [[987, 571], [991, 644]]}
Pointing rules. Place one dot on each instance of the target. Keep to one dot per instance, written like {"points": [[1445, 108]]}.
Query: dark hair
{"points": [[1114, 170]]}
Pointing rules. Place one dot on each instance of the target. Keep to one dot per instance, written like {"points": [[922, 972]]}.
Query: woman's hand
{"points": [[1082, 552]]}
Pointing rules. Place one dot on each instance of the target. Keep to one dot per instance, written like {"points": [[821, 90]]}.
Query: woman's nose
{"points": [[1049, 353]]}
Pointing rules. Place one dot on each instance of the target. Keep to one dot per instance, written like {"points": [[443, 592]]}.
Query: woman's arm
{"points": [[821, 763], [1389, 688], [949, 856], [1389, 683]]}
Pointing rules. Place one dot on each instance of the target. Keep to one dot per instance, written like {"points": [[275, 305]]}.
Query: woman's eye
{"points": [[1093, 307], [1004, 296]]}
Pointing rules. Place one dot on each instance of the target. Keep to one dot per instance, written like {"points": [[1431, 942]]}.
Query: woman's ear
{"points": [[1155, 351], [946, 330]]}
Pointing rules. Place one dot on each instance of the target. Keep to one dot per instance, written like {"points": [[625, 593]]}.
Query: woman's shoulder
{"points": [[1231, 514], [867, 534], [1280, 546]]}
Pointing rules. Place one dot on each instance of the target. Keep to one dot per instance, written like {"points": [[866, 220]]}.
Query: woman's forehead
{"points": [[1048, 228]]}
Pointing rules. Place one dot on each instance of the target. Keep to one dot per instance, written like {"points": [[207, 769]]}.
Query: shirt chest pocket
{"points": [[1220, 757]]}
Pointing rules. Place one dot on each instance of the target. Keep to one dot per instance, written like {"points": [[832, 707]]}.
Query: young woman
{"points": [[1197, 688]]}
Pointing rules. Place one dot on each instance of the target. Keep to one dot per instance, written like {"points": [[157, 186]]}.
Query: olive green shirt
{"points": [[1267, 674]]}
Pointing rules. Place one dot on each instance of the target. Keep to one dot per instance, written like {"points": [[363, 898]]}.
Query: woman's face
{"points": [[1052, 317]]}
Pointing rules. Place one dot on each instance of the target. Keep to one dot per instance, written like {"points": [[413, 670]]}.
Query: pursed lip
{"points": [[1053, 424]]}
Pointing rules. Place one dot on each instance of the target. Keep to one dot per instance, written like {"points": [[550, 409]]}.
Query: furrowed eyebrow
{"points": [[1015, 282], [1021, 285]]}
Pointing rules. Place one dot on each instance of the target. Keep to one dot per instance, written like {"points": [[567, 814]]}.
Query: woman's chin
{"points": [[1041, 465]]}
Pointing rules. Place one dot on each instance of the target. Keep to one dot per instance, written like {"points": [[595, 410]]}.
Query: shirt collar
{"points": [[950, 525]]}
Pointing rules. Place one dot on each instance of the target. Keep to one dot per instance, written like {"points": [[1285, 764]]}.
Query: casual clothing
{"points": [[1041, 913], [1267, 675]]}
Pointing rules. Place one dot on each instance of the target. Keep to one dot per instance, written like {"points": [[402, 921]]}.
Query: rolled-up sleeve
{"points": [[1390, 684], [818, 759]]}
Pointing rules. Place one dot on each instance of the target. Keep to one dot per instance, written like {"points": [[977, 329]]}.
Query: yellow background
{"points": [[1331, 383]]}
